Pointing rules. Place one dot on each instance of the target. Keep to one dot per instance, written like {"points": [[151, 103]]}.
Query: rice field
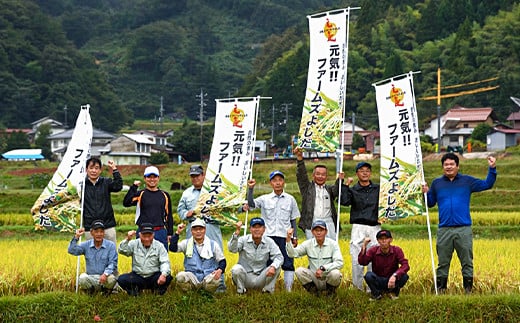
{"points": [[34, 266]]}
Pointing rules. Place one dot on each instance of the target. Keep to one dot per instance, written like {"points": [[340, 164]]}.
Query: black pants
{"points": [[133, 283], [379, 284]]}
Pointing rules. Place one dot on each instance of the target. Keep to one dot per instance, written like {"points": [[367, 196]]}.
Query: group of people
{"points": [[272, 243]]}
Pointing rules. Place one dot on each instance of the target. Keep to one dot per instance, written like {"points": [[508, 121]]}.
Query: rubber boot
{"points": [[442, 285], [331, 290], [467, 282], [311, 288]]}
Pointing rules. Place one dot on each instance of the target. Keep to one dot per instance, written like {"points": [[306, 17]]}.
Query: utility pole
{"points": [[202, 97], [161, 113], [438, 110], [65, 111], [272, 128], [353, 130], [286, 106]]}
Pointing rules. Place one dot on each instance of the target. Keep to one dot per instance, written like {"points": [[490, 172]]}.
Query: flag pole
{"points": [[251, 160], [84, 166], [426, 204], [342, 145]]}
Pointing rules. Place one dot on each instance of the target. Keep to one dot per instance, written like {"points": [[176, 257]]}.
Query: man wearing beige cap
{"points": [[204, 262], [325, 260], [153, 206]]}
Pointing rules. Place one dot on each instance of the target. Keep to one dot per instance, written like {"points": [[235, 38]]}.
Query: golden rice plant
{"points": [[33, 266]]}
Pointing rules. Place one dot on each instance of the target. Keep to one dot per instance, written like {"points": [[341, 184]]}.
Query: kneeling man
{"points": [[259, 258], [325, 260]]}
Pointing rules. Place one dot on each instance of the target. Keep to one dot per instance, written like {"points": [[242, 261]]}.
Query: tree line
{"points": [[123, 56]]}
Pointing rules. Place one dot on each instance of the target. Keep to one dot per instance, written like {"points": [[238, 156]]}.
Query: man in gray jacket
{"points": [[259, 259]]}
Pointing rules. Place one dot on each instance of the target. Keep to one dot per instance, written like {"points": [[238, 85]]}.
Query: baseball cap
{"points": [[274, 173], [146, 228], [363, 164], [319, 223], [385, 233], [256, 221], [151, 170], [97, 225], [196, 170], [198, 223]]}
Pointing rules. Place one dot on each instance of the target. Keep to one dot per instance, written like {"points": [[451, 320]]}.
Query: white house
{"points": [[457, 124], [60, 141]]}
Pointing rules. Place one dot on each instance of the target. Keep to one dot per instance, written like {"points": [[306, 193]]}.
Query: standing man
{"points": [[188, 202], [187, 205], [150, 263], [325, 260], [259, 258], [389, 266], [153, 205], [317, 197], [363, 199], [452, 193], [98, 204], [100, 258], [279, 211], [204, 262]]}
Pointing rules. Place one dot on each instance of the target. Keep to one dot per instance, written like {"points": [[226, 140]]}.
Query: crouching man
{"points": [[100, 258], [389, 266], [259, 258], [204, 261], [325, 260], [150, 263]]}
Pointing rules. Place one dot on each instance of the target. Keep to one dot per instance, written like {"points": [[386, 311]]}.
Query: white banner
{"points": [[402, 175], [59, 203], [230, 161], [322, 114]]}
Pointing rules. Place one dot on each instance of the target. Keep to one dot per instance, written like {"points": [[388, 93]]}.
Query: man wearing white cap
{"points": [[153, 206], [204, 262], [325, 260]]}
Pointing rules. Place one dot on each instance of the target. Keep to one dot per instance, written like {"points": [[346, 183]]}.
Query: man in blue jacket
{"points": [[452, 193]]}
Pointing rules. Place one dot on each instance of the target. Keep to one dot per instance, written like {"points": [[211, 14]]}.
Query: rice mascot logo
{"points": [[397, 96], [237, 116], [330, 30]]}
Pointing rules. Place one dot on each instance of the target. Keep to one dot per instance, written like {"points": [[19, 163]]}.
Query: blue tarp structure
{"points": [[23, 154]]}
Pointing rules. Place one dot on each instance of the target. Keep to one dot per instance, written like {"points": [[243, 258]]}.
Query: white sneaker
{"points": [[393, 296]]}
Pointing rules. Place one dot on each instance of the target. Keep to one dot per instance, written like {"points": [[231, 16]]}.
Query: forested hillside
{"points": [[122, 56]]}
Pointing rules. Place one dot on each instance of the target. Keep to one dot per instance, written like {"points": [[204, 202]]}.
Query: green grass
{"points": [[18, 196], [299, 306]]}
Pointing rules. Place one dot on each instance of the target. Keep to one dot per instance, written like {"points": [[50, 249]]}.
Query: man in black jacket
{"points": [[363, 199], [98, 204]]}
